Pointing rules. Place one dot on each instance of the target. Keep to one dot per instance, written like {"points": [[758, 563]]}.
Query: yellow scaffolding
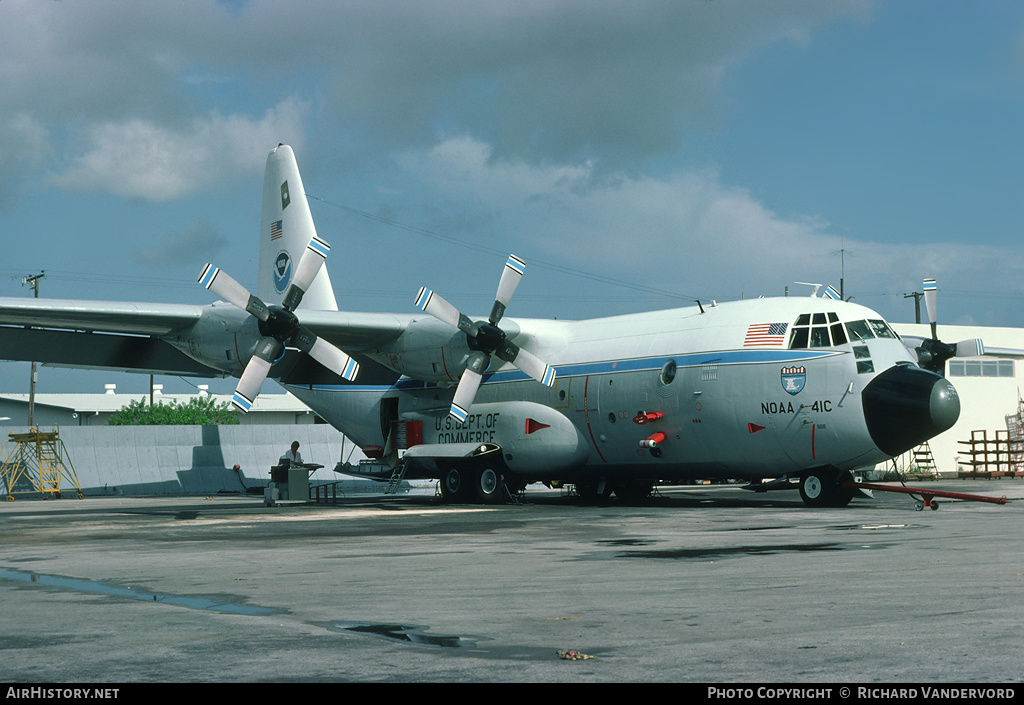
{"points": [[35, 462]]}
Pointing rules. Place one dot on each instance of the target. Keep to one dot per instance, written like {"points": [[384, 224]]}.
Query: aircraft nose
{"points": [[905, 406]]}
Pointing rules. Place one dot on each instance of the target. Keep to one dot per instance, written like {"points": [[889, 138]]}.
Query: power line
{"points": [[108, 278], [561, 269]]}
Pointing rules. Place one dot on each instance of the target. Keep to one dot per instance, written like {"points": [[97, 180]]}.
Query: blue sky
{"points": [[635, 154]]}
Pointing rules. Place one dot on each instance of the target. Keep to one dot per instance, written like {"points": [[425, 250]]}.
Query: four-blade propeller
{"points": [[932, 353], [485, 338], [278, 325]]}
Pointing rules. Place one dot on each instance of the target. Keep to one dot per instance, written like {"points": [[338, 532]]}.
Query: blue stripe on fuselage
{"points": [[721, 357]]}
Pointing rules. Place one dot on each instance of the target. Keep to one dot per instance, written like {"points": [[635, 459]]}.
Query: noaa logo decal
{"points": [[794, 379], [282, 271]]}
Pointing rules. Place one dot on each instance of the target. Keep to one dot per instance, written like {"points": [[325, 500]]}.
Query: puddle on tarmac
{"points": [[869, 527], [731, 551], [625, 542], [407, 634], [394, 632], [99, 588]]}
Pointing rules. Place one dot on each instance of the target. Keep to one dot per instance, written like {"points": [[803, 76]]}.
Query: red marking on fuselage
{"points": [[586, 415]]}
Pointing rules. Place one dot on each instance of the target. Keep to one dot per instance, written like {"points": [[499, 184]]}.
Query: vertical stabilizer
{"points": [[286, 227]]}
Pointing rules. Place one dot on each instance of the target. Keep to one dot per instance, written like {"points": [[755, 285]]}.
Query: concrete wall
{"points": [[171, 460]]}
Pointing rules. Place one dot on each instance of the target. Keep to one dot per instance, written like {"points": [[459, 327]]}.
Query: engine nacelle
{"points": [[429, 351], [535, 440], [223, 338]]}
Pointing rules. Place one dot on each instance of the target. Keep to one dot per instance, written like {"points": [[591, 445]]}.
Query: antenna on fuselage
{"points": [[816, 287]]}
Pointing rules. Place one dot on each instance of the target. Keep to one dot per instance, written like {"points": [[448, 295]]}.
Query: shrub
{"points": [[199, 411]]}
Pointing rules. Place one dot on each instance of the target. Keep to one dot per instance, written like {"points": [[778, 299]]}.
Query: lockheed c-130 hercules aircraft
{"points": [[798, 389]]}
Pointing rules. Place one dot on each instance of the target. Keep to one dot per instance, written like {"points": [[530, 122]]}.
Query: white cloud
{"points": [[622, 81], [685, 232], [137, 158], [536, 79]]}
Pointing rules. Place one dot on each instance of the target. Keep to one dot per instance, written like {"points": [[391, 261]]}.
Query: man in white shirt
{"points": [[293, 456]]}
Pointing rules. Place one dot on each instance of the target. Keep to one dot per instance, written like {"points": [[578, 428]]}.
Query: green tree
{"points": [[199, 411]]}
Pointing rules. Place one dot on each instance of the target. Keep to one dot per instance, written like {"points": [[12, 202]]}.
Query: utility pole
{"points": [[842, 269], [917, 304], [32, 281]]}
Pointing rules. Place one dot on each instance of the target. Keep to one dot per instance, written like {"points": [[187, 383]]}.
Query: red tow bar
{"points": [[927, 496]]}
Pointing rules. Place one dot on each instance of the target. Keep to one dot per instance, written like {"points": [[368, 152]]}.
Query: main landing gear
{"points": [[626, 490], [826, 487], [484, 483]]}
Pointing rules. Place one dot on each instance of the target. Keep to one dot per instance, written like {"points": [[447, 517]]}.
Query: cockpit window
{"points": [[882, 329], [813, 331], [859, 330], [799, 339], [819, 337]]}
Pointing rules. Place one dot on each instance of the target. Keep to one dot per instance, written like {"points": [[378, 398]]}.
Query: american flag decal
{"points": [[765, 334], [275, 230]]}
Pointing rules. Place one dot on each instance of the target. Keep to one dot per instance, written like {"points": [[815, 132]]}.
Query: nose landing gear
{"points": [[826, 487]]}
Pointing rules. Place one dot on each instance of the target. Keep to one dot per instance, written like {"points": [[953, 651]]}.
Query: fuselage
{"points": [[746, 389]]}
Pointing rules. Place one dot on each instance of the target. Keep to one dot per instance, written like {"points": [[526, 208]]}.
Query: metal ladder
{"points": [[396, 479], [38, 458], [924, 461]]}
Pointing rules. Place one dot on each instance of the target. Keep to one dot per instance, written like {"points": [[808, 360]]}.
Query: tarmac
{"points": [[700, 584]]}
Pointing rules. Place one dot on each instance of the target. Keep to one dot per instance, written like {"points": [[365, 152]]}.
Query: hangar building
{"points": [[96, 409], [990, 394]]}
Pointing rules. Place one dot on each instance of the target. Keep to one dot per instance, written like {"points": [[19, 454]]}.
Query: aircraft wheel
{"points": [[842, 495], [454, 485], [586, 490], [631, 491], [591, 490], [490, 488], [812, 489], [824, 488]]}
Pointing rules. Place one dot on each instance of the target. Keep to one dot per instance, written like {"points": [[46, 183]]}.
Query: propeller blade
{"points": [[255, 373], [250, 384], [325, 353], [305, 272], [534, 367], [227, 289], [510, 276], [526, 362], [334, 359], [970, 348], [931, 294], [432, 303], [468, 384]]}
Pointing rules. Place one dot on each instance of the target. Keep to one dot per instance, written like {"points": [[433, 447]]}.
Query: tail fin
{"points": [[286, 227]]}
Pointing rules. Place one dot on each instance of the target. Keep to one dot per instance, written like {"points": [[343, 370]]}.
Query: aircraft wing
{"points": [[355, 331], [121, 353], [122, 336], [126, 336], [972, 347], [100, 316]]}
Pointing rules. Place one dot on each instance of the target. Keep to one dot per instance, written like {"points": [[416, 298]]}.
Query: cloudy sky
{"points": [[637, 154]]}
